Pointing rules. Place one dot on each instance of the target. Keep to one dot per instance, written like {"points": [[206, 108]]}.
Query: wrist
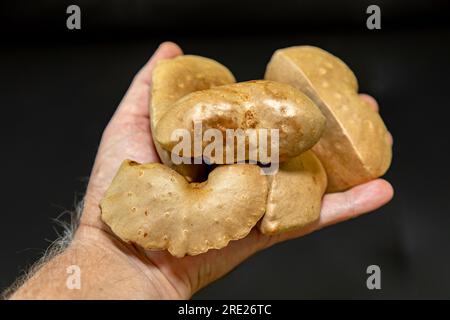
{"points": [[101, 267], [124, 268]]}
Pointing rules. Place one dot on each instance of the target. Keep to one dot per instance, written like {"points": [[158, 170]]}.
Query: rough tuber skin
{"points": [[155, 207]]}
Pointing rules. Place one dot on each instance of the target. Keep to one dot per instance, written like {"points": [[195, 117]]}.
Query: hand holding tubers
{"points": [[330, 140]]}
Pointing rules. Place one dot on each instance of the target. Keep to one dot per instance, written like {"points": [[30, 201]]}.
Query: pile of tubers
{"points": [[329, 140]]}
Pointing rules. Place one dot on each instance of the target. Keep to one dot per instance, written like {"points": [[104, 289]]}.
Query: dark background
{"points": [[58, 89]]}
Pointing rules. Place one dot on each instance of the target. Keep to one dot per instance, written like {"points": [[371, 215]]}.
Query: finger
{"points": [[390, 139], [361, 199], [166, 50], [338, 207], [135, 101], [370, 100], [374, 105]]}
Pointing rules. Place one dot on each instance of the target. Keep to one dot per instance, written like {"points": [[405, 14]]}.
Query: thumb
{"points": [[166, 50], [135, 101]]}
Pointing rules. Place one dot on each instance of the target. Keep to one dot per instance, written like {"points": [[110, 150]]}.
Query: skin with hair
{"points": [[112, 269]]}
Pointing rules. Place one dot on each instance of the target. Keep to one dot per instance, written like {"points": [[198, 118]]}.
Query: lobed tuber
{"points": [[155, 207]]}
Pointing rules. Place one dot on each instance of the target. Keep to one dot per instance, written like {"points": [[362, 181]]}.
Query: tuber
{"points": [[175, 78], [355, 145], [155, 207], [295, 194], [246, 105]]}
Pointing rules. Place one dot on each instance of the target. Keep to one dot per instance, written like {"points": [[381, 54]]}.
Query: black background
{"points": [[58, 89]]}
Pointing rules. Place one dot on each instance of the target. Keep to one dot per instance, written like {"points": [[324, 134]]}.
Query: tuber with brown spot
{"points": [[246, 105]]}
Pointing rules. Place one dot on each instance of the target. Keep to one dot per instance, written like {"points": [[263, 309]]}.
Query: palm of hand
{"points": [[128, 136]]}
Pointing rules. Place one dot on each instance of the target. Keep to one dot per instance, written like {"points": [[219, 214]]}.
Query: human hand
{"points": [[128, 136]]}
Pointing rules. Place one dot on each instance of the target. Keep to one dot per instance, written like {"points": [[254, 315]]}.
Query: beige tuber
{"points": [[246, 105], [155, 207], [174, 78], [355, 145], [295, 194]]}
